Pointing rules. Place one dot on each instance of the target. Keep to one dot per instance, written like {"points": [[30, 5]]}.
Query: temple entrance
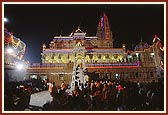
{"points": [[79, 61]]}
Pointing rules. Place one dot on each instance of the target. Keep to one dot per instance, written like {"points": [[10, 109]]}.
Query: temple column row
{"points": [[90, 58]]}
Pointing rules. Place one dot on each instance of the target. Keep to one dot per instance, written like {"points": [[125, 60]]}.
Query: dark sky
{"points": [[38, 24]]}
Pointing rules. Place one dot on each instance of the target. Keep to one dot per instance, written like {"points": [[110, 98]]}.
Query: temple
{"points": [[78, 58]]}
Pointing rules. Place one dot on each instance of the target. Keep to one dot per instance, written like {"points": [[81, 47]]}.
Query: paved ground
{"points": [[40, 98]]}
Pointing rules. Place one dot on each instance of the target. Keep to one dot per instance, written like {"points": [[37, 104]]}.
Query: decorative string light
{"points": [[16, 43]]}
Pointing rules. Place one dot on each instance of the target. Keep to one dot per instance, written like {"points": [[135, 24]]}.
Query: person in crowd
{"points": [[54, 90], [50, 86], [63, 86]]}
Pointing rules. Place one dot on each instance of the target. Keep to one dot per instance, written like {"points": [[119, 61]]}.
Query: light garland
{"points": [[156, 41], [16, 43]]}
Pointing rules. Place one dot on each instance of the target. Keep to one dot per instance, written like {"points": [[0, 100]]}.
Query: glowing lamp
{"points": [[129, 56], [5, 20], [137, 54], [152, 54], [116, 74], [19, 66], [10, 50]]}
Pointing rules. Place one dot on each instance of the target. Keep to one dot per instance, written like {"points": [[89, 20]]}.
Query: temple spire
{"points": [[104, 32], [103, 29]]}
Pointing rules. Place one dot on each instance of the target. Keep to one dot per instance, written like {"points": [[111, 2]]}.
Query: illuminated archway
{"points": [[64, 59], [71, 58], [103, 57], [79, 61], [56, 58], [95, 58], [87, 58]]}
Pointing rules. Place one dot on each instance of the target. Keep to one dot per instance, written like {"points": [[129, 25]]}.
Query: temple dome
{"points": [[141, 46]]}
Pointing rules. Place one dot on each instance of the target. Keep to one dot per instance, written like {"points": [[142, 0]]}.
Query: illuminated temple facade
{"points": [[78, 58]]}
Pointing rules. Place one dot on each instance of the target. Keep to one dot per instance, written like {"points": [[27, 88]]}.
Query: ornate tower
{"points": [[158, 51], [104, 32], [79, 68]]}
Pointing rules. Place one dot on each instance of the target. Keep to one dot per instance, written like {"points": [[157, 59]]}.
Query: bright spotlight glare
{"points": [[9, 50], [5, 20], [19, 66], [137, 54], [152, 54]]}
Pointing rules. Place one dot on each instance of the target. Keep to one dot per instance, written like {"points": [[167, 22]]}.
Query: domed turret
{"points": [[141, 46]]}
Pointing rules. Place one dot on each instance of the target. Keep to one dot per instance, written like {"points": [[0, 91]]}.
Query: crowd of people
{"points": [[98, 95], [17, 94], [107, 95]]}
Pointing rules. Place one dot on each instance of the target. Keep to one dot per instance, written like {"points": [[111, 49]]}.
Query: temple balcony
{"points": [[114, 65], [47, 65]]}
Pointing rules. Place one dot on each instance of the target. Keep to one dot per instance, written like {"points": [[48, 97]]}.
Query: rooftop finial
{"points": [[61, 33], [79, 27], [79, 30], [141, 39]]}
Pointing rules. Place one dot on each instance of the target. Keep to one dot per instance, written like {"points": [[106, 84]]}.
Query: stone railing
{"points": [[47, 65], [113, 64]]}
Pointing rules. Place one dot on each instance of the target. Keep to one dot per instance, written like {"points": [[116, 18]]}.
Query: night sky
{"points": [[38, 24]]}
